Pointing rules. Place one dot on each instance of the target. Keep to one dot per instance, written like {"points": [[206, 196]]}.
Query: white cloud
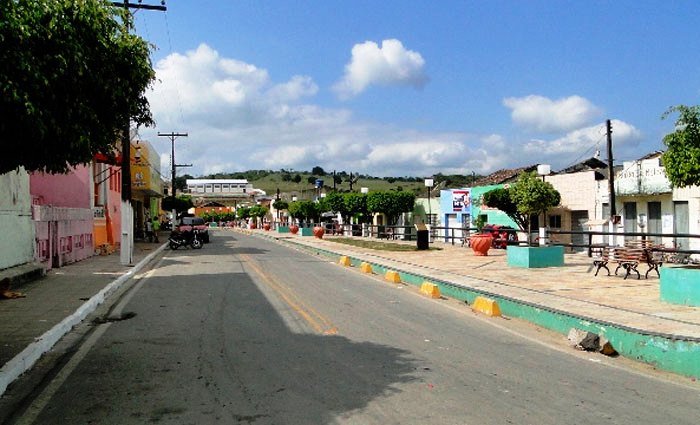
{"points": [[582, 141], [390, 64], [543, 115], [238, 119]]}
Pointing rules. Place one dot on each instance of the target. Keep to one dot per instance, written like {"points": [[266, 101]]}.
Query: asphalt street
{"points": [[249, 331]]}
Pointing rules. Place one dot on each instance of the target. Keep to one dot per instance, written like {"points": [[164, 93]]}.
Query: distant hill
{"points": [[303, 181]]}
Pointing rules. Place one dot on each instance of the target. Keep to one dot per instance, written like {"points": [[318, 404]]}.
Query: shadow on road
{"points": [[219, 352]]}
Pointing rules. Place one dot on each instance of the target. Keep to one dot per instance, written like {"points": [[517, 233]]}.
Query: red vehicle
{"points": [[502, 235], [189, 223]]}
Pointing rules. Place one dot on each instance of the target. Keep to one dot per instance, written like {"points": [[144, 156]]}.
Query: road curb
{"points": [[674, 353], [23, 361]]}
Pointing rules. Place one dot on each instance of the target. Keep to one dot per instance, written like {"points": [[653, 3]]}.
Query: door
{"points": [[630, 211], [654, 220], [680, 223], [578, 221]]}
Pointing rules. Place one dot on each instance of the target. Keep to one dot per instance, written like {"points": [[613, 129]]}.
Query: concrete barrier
{"points": [[486, 306], [392, 276], [430, 289]]}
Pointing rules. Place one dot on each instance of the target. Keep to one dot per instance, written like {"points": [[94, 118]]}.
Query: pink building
{"points": [[63, 216]]}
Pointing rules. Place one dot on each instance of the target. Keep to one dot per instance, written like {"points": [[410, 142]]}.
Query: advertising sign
{"points": [[460, 201]]}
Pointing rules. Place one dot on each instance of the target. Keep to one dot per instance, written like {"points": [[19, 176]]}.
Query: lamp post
{"points": [[429, 185], [543, 170]]}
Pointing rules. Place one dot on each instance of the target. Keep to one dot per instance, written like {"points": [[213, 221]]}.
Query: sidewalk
{"points": [[628, 312], [53, 304]]}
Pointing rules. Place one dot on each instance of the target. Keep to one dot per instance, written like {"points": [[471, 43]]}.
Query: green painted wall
{"points": [[494, 216]]}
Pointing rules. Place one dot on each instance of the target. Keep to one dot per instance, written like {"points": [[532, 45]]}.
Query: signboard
{"points": [[646, 177], [460, 201]]}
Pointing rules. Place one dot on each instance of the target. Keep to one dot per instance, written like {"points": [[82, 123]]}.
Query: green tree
{"points": [[501, 200], [318, 171], [335, 201], [258, 212], [180, 204], [71, 78], [391, 204], [243, 213], [356, 205], [280, 204], [529, 196], [682, 158], [308, 210], [296, 179]]}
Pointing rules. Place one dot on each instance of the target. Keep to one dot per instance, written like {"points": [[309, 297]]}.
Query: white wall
{"points": [[16, 226]]}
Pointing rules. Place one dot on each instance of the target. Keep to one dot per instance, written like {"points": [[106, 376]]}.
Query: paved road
{"points": [[247, 331]]}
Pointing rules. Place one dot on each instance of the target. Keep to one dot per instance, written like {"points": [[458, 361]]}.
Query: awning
{"points": [[104, 159]]}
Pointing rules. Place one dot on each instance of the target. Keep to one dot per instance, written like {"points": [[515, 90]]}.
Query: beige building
{"points": [[580, 187]]}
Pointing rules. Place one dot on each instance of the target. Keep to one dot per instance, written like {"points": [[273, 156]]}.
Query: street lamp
{"points": [[543, 170], [429, 185]]}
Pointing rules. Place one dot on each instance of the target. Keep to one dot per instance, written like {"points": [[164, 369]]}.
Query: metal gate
{"points": [[578, 224], [681, 223]]}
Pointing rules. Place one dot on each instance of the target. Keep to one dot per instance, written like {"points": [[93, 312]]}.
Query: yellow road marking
{"points": [[317, 321]]}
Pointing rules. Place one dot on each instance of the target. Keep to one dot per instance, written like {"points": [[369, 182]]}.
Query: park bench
{"points": [[628, 258]]}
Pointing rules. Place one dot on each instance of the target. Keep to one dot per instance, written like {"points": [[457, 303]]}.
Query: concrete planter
{"points": [[535, 257], [307, 231], [283, 229], [680, 285]]}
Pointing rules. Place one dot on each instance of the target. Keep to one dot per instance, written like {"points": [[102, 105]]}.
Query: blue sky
{"points": [[415, 88]]}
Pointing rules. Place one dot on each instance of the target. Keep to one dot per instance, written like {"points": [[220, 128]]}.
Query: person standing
{"points": [[156, 228], [149, 230]]}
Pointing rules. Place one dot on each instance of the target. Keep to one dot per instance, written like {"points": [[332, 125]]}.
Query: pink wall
{"points": [[62, 190], [63, 216]]}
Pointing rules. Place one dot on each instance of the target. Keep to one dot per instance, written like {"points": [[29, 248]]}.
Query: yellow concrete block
{"points": [[486, 306], [366, 268], [392, 276], [430, 289], [345, 261]]}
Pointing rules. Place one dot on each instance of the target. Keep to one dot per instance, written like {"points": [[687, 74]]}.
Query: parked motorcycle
{"points": [[185, 238]]}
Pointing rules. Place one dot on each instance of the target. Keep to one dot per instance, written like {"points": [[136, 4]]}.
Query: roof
{"points": [[503, 176], [592, 163], [651, 155]]}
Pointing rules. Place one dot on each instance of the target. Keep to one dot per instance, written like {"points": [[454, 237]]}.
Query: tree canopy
{"points": [[527, 197], [682, 158], [71, 78], [391, 204]]}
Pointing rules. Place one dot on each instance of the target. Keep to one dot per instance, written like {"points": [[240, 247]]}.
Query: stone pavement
{"points": [[53, 304]]}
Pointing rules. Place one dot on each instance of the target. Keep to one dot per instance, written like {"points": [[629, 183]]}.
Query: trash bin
{"points": [[422, 236]]}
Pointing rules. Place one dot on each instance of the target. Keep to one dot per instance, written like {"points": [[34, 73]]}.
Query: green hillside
{"points": [[287, 181]]}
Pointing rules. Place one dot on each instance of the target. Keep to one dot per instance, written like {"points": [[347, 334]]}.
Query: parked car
{"points": [[502, 235], [188, 223]]}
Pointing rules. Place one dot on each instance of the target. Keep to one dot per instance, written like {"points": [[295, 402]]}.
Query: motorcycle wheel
{"points": [[174, 245], [196, 243]]}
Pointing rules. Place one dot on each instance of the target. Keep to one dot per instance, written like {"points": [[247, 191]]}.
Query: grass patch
{"points": [[379, 245]]}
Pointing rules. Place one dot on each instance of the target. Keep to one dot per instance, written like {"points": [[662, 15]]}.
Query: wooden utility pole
{"points": [[126, 250], [611, 171], [174, 166]]}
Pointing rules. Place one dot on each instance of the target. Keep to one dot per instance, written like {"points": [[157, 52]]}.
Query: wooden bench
{"points": [[628, 258], [652, 259]]}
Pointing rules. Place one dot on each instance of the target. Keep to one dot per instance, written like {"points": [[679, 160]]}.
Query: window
{"points": [[555, 221]]}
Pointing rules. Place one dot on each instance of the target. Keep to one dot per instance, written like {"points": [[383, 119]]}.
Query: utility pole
{"points": [[126, 250], [611, 173], [174, 166], [611, 183]]}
